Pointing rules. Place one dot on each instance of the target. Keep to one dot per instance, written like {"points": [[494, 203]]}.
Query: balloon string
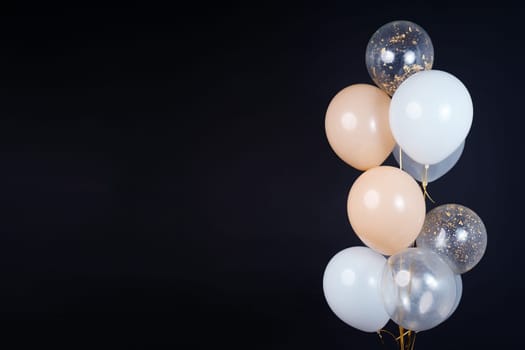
{"points": [[410, 342], [406, 333], [387, 332], [380, 337], [413, 341], [400, 159], [401, 338], [425, 184]]}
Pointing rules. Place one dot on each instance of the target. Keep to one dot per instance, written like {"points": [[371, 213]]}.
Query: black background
{"points": [[166, 181]]}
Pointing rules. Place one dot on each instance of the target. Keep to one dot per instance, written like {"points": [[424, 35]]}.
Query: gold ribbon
{"points": [[387, 332], [425, 184], [413, 341], [404, 344]]}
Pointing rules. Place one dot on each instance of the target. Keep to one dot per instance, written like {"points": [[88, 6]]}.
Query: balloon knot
{"points": [[426, 194], [425, 184]]}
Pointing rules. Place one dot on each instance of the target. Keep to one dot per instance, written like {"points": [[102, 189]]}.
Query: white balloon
{"points": [[352, 288], [430, 115]]}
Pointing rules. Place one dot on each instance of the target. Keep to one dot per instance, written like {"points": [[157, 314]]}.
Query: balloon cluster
{"points": [[410, 270]]}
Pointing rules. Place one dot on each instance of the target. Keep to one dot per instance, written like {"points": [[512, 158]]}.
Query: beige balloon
{"points": [[386, 209], [357, 126]]}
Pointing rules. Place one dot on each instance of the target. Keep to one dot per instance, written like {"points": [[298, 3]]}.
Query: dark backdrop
{"points": [[166, 182]]}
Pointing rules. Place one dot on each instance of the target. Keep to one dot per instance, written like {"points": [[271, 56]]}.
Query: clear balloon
{"points": [[386, 209], [430, 115], [396, 51], [357, 126], [352, 288], [418, 288], [434, 171], [457, 234], [459, 293]]}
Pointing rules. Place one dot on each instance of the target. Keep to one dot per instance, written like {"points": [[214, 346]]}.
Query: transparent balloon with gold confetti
{"points": [[396, 51], [410, 271]]}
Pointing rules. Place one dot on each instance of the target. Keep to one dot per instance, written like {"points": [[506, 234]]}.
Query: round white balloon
{"points": [[352, 288], [430, 115]]}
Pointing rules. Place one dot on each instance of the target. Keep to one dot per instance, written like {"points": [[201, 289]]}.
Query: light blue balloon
{"points": [[435, 171], [459, 293]]}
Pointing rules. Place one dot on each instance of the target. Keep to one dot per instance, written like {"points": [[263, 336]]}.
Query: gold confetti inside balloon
{"points": [[396, 51], [457, 234]]}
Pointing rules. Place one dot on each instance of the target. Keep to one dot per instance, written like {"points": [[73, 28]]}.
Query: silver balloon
{"points": [[418, 288], [434, 171], [457, 234]]}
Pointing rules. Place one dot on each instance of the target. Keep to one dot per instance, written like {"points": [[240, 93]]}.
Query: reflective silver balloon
{"points": [[457, 234], [418, 288], [434, 171], [396, 51]]}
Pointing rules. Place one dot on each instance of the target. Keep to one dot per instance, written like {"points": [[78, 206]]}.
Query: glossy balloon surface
{"points": [[395, 52], [419, 289]]}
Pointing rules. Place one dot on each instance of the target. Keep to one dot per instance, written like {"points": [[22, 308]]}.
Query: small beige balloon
{"points": [[386, 209], [357, 126]]}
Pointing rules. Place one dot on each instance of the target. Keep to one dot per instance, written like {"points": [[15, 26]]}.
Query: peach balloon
{"points": [[386, 209], [357, 126]]}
